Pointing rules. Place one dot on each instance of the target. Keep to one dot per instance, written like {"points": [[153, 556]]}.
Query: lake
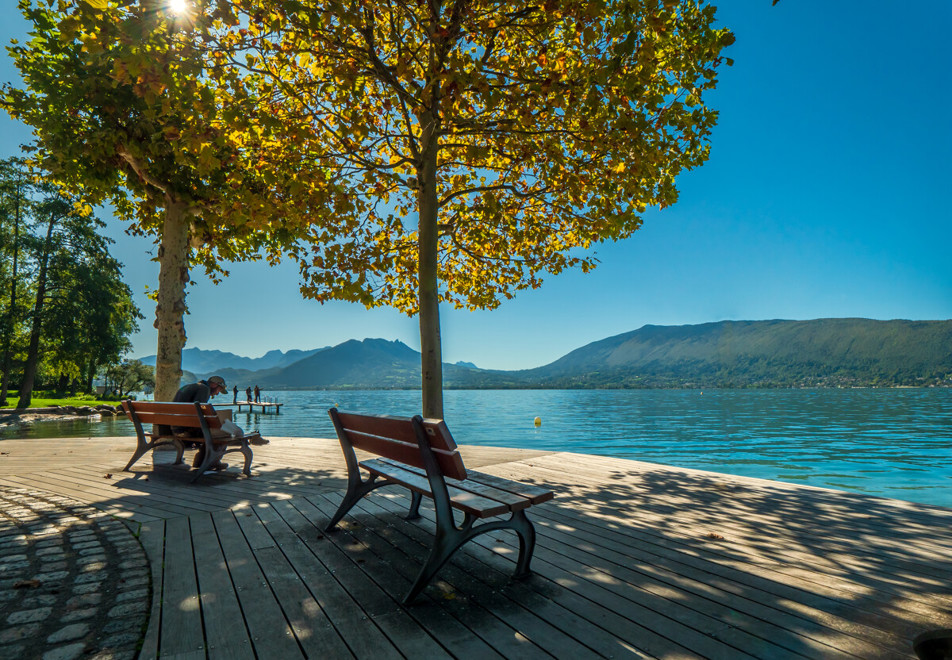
{"points": [[889, 442]]}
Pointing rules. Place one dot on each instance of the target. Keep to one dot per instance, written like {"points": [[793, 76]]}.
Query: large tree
{"points": [[15, 184], [82, 312], [486, 143], [124, 110]]}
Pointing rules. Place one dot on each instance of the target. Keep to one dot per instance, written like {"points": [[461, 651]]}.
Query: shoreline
{"points": [[14, 417]]}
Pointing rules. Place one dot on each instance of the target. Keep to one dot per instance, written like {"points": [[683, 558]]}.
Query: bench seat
{"points": [[481, 495]]}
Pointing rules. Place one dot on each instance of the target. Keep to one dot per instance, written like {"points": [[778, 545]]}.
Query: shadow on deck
{"points": [[633, 560]]}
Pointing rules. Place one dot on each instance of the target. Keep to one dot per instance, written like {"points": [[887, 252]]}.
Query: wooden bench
{"points": [[184, 415], [420, 454]]}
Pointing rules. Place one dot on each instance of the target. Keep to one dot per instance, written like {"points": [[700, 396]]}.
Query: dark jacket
{"points": [[190, 393]]}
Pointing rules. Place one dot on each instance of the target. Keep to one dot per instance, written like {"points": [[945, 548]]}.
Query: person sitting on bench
{"points": [[201, 392]]}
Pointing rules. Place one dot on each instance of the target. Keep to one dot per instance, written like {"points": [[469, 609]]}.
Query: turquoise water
{"points": [[889, 442]]}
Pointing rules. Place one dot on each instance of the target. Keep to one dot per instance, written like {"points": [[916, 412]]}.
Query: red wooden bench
{"points": [[420, 454], [184, 415]]}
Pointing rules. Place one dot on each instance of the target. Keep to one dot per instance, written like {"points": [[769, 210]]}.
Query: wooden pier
{"points": [[632, 560], [265, 406]]}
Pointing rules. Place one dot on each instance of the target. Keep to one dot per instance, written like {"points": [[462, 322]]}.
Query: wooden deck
{"points": [[633, 560]]}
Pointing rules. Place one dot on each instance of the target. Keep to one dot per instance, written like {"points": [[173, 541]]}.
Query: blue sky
{"points": [[827, 195]]}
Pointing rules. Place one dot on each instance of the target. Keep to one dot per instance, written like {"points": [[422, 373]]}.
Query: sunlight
{"points": [[178, 7]]}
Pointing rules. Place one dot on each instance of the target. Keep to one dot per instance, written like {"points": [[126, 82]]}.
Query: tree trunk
{"points": [[170, 308], [90, 376], [33, 352], [8, 325], [428, 274]]}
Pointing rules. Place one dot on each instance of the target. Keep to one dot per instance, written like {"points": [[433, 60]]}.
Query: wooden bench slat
{"points": [[513, 501], [399, 428], [166, 419], [464, 500], [450, 463], [534, 494]]}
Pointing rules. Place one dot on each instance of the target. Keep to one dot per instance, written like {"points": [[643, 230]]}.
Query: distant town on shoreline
{"points": [[724, 354]]}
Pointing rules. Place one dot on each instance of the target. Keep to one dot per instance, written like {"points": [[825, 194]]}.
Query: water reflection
{"points": [[894, 443]]}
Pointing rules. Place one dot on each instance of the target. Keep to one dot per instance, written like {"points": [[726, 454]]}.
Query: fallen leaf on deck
{"points": [[27, 584], [108, 475], [712, 535]]}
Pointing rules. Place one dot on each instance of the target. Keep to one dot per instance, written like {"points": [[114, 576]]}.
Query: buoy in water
{"points": [[537, 421]]}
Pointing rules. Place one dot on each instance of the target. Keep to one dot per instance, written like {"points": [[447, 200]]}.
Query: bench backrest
{"points": [[396, 438], [167, 413]]}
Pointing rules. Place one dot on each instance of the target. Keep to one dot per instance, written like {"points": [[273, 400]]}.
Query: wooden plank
{"points": [[759, 612], [309, 622], [152, 537], [137, 510], [885, 540], [181, 627], [226, 635], [485, 589], [687, 558], [753, 625], [796, 557], [344, 619], [598, 628], [271, 635], [346, 593], [701, 634], [455, 637], [506, 640]]}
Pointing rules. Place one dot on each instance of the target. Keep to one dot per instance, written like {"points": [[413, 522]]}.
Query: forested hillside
{"points": [[819, 353]]}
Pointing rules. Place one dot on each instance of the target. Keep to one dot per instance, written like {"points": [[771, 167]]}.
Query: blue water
{"points": [[888, 442]]}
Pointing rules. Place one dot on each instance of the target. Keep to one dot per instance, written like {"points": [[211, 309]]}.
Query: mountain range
{"points": [[778, 353]]}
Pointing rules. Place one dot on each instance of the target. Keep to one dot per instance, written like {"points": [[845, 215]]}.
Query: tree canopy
{"points": [[125, 110], [485, 143]]}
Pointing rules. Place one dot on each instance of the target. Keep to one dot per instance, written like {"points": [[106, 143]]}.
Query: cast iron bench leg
{"points": [[415, 499], [246, 452], [448, 541], [140, 451], [355, 491], [521, 524]]}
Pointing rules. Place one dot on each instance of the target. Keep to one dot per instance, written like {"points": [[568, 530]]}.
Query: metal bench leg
{"points": [[521, 524], [355, 491], [140, 451], [179, 451], [446, 542], [246, 452], [211, 457], [415, 499]]}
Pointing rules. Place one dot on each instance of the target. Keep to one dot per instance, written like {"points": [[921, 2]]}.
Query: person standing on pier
{"points": [[248, 394], [235, 390], [257, 394]]}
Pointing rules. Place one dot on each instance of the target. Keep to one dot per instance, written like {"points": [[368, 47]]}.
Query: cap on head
{"points": [[219, 381]]}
